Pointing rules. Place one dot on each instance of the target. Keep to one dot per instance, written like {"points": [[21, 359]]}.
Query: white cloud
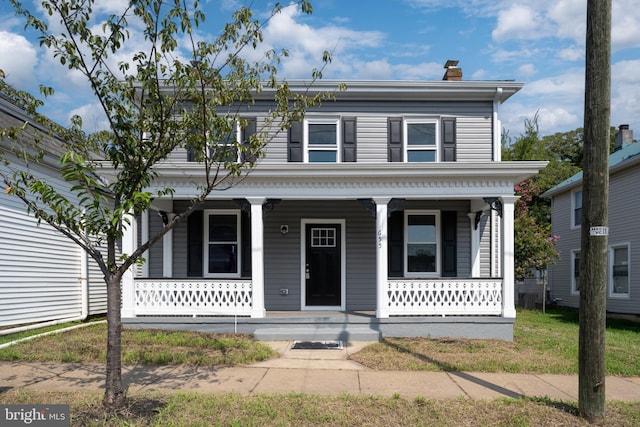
{"points": [[519, 22], [93, 117], [570, 53], [18, 60], [527, 70]]}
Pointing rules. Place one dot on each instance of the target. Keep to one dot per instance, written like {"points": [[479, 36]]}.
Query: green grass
{"points": [[295, 409], [157, 347], [543, 343]]}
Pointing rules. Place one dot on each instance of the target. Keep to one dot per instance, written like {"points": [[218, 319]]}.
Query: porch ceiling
{"points": [[353, 180]]}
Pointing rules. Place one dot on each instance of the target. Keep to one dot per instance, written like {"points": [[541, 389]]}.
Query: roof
{"points": [[626, 156]]}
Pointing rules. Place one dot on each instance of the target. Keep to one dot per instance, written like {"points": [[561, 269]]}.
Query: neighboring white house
{"points": [[44, 277], [623, 287], [388, 211]]}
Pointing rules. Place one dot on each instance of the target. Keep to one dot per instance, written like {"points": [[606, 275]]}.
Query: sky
{"points": [[540, 43]]}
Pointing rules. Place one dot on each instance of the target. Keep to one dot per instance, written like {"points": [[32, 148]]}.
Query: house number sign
{"points": [[379, 238], [599, 231]]}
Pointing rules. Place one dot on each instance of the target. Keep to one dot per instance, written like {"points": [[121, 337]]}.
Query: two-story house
{"points": [[623, 283], [385, 212]]}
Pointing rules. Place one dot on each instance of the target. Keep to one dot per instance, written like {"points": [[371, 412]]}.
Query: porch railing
{"points": [[442, 297], [202, 297]]}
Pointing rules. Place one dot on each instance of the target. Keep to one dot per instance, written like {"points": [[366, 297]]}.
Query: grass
{"points": [[88, 345], [191, 409], [543, 343]]}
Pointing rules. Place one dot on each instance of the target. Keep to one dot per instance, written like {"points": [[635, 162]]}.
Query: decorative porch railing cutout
{"points": [[445, 297], [195, 298]]}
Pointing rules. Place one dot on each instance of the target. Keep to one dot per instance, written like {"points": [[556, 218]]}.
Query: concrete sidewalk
{"points": [[325, 372]]}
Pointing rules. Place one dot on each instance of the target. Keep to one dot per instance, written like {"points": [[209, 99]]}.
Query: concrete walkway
{"points": [[324, 372]]}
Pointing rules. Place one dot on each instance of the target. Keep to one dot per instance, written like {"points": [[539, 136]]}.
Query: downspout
{"points": [[497, 127]]}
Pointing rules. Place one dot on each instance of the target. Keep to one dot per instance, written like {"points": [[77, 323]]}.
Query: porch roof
{"points": [[452, 180]]}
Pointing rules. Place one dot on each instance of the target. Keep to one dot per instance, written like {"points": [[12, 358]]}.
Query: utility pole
{"points": [[595, 196]]}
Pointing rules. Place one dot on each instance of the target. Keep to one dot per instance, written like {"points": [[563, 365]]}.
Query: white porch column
{"points": [[257, 257], [508, 276], [476, 206], [167, 250], [382, 273], [144, 233], [128, 246]]}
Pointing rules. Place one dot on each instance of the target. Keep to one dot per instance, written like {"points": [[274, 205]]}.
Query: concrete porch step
{"points": [[310, 333]]}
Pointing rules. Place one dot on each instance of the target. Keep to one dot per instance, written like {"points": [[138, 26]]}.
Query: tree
{"points": [[171, 94], [595, 198]]}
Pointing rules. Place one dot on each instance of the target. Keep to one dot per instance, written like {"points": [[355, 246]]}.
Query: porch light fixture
{"points": [[495, 204], [284, 229]]}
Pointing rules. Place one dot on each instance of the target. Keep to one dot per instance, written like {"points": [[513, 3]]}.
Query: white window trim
{"points": [[573, 289], [205, 260], [405, 137], [407, 214], [322, 120], [237, 131], [626, 295], [572, 221]]}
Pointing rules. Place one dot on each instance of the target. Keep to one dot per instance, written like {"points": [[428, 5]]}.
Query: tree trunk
{"points": [[595, 195], [114, 395]]}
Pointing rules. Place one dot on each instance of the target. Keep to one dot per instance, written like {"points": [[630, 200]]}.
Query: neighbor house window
{"points": [[421, 140], [422, 243], [322, 141], [222, 243], [575, 271], [576, 202], [619, 270]]}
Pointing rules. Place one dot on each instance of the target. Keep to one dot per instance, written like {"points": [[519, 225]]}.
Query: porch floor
{"points": [[335, 325]]}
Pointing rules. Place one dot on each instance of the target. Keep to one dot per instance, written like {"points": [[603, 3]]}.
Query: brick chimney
{"points": [[453, 73], [624, 136]]}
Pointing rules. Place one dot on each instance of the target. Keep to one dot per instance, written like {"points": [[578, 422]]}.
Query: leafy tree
{"points": [[180, 91]]}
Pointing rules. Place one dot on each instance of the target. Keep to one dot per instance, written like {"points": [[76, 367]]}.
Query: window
{"points": [[422, 243], [221, 147], [575, 271], [222, 243], [576, 202], [321, 137], [421, 142], [619, 271]]}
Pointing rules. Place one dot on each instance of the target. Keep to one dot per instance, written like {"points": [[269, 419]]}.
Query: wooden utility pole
{"points": [[595, 196]]}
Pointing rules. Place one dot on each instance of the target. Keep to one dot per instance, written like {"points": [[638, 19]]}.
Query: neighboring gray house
{"points": [[44, 276], [386, 212], [623, 287]]}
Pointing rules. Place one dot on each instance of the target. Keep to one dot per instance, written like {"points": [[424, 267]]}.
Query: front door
{"points": [[323, 266]]}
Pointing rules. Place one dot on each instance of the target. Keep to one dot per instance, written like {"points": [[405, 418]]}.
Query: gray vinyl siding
{"points": [[474, 128], [474, 139], [39, 267], [485, 246], [560, 274]]}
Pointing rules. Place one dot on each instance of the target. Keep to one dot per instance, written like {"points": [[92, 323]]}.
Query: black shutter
{"points": [[449, 139], [294, 143], [395, 232], [249, 130], [394, 139], [349, 139], [195, 225], [245, 241], [449, 243]]}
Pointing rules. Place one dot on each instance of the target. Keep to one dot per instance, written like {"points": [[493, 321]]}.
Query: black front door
{"points": [[323, 265]]}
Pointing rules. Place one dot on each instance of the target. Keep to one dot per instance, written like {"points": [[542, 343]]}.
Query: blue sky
{"points": [[539, 43]]}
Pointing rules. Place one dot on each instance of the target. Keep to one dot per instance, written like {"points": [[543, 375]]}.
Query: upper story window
{"points": [[576, 208], [619, 271], [322, 142], [222, 146], [421, 140], [222, 243], [422, 241]]}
